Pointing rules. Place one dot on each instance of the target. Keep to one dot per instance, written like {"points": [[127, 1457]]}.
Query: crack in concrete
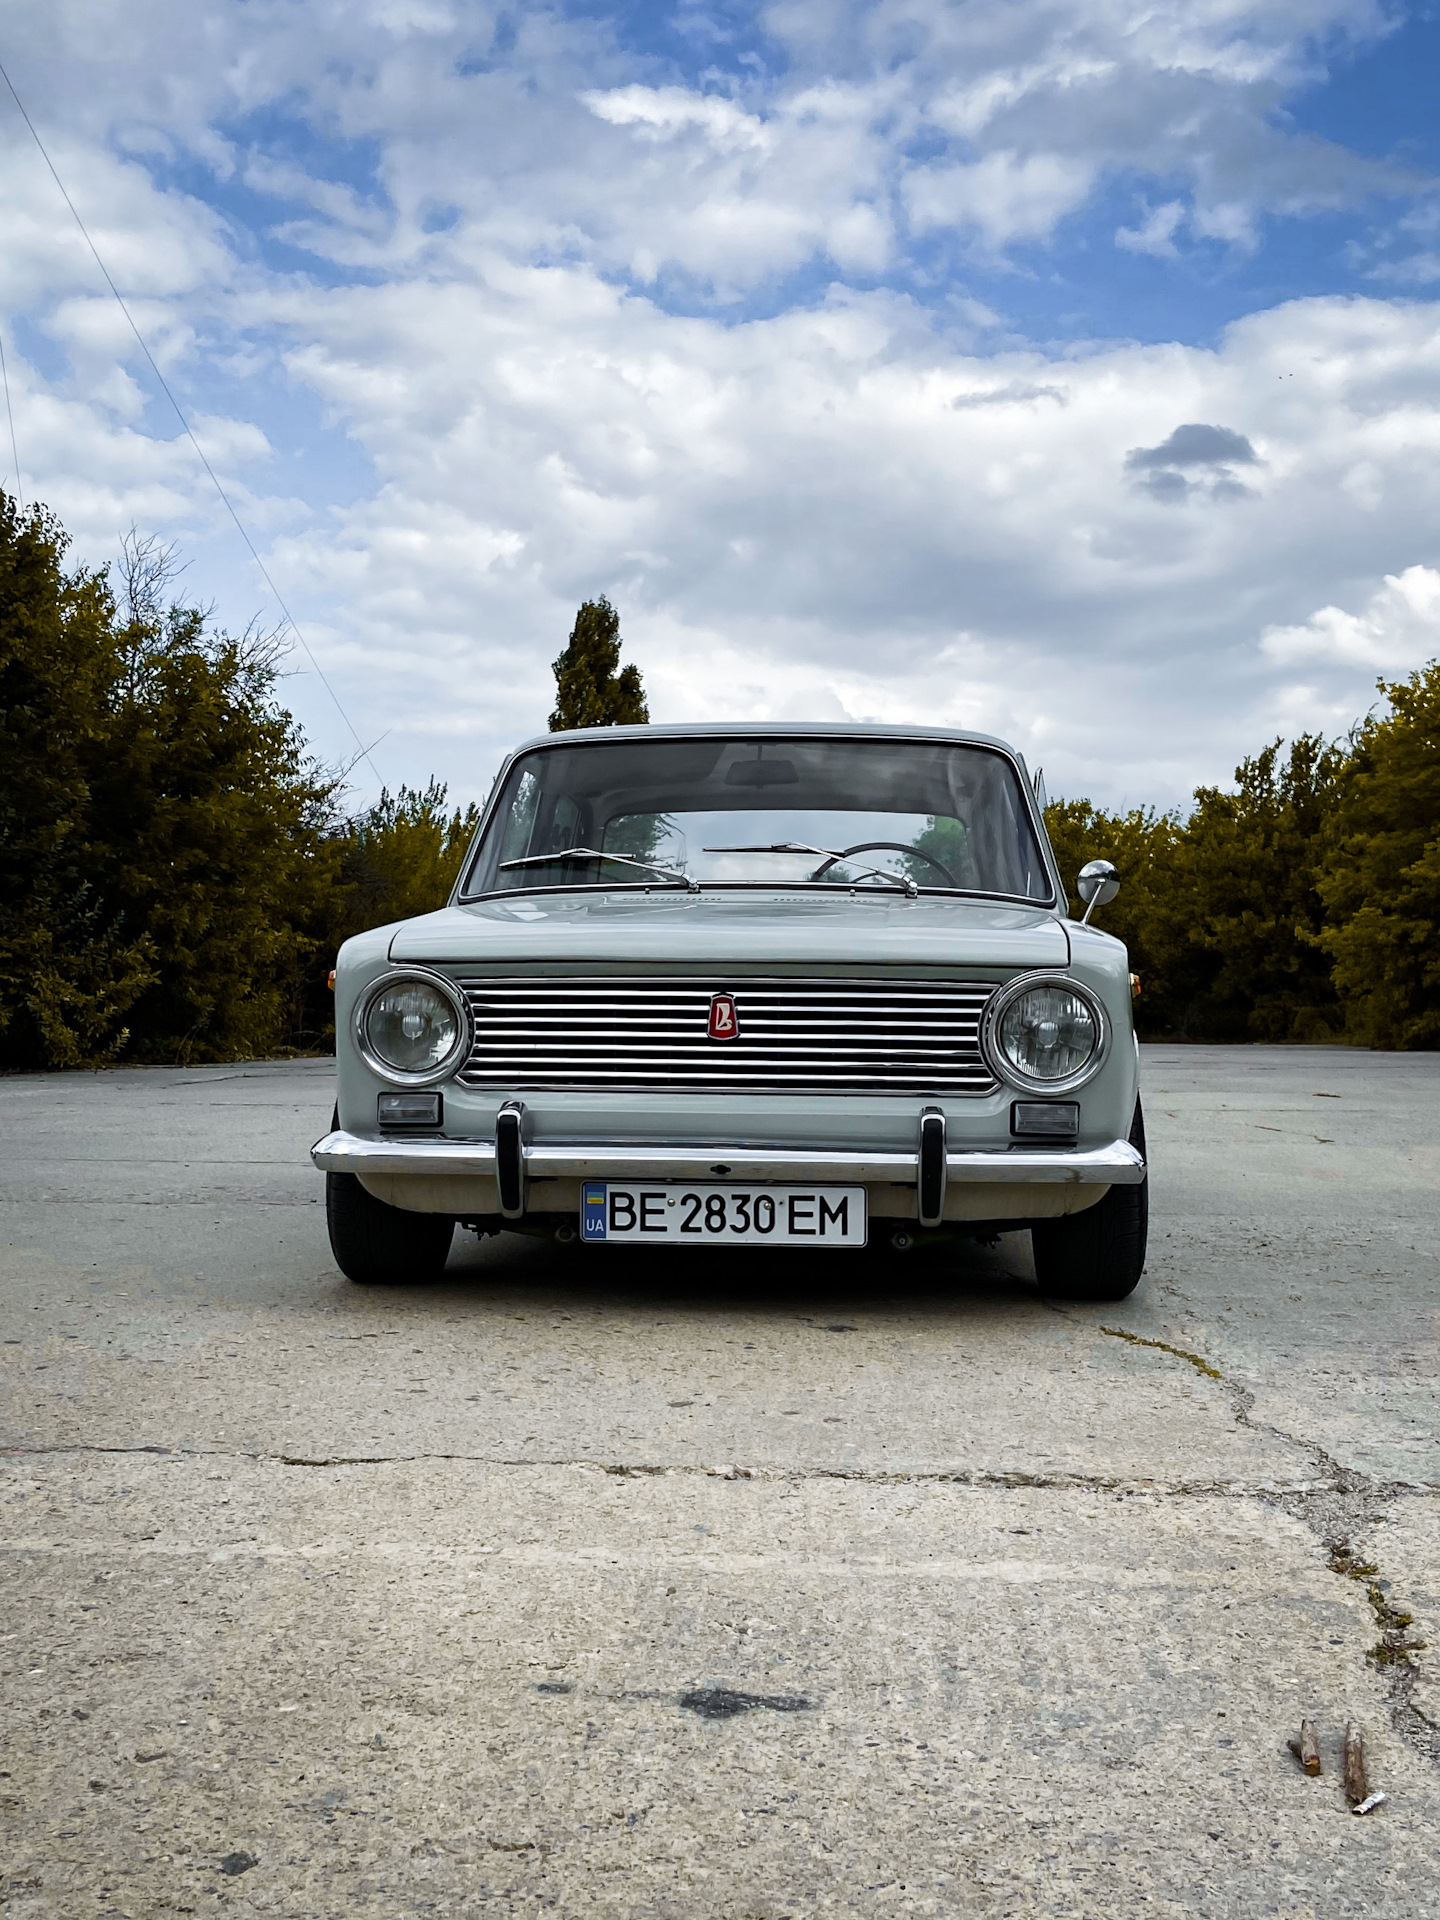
{"points": [[1336, 1506], [1343, 1504], [980, 1478], [1336, 1517]]}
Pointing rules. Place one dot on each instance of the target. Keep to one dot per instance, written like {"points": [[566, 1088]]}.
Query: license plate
{"points": [[693, 1215]]}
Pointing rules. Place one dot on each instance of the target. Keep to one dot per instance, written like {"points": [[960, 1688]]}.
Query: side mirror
{"points": [[1097, 886]]}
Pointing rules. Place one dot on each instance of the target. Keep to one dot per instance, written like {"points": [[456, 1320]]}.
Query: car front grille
{"points": [[832, 1036]]}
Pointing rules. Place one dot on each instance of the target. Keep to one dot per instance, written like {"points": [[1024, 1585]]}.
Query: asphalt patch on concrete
{"points": [[719, 1703]]}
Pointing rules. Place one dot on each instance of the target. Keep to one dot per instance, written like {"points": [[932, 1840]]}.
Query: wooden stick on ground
{"points": [[1307, 1748], [1357, 1787]]}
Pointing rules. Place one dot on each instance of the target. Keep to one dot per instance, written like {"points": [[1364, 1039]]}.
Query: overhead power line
{"points": [[364, 751], [14, 447]]}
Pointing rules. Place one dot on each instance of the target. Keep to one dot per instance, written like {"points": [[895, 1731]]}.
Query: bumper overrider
{"points": [[510, 1160]]}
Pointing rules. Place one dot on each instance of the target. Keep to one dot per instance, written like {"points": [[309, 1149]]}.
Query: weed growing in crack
{"points": [[1335, 1513], [1392, 1649], [1138, 1340]]}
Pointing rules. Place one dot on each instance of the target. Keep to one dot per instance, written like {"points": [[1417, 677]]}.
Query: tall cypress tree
{"points": [[589, 690]]}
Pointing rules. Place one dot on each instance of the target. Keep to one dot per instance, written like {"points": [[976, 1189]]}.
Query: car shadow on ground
{"points": [[944, 1274]]}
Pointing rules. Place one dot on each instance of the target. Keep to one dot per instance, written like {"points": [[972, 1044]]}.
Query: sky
{"points": [[1064, 369]]}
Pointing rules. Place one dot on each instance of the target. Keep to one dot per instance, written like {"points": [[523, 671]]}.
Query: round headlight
{"points": [[1048, 1034], [412, 1028]]}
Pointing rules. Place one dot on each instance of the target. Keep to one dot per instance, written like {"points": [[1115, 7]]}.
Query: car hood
{"points": [[735, 929]]}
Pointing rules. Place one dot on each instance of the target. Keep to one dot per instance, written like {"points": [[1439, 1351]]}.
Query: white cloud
{"points": [[1156, 232], [1398, 630], [833, 505], [1416, 270], [554, 146], [1005, 197], [668, 110], [845, 505], [797, 508]]}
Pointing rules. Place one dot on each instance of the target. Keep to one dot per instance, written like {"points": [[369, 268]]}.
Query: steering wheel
{"points": [[884, 846]]}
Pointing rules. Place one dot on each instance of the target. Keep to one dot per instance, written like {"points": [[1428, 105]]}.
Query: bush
{"points": [[1380, 871], [1245, 920], [397, 858], [166, 840], [176, 870]]}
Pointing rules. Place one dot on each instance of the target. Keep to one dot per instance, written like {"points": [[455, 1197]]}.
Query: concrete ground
{"points": [[725, 1588]]}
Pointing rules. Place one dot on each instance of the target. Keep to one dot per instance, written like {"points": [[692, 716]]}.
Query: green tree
{"points": [[1222, 911], [397, 858], [209, 824], [402, 856], [1380, 873], [590, 692], [1249, 892], [1146, 848], [175, 870], [945, 840], [71, 965], [165, 833]]}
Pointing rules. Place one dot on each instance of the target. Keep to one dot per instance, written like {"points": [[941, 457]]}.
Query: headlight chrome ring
{"points": [[412, 1027], [1048, 1026]]}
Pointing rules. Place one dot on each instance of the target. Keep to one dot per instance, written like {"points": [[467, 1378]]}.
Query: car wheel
{"points": [[1098, 1254], [379, 1245]]}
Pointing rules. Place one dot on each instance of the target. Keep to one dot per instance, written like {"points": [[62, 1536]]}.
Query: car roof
{"points": [[785, 729]]}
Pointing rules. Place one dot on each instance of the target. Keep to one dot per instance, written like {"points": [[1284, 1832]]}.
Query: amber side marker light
{"points": [[1134, 985], [330, 981]]}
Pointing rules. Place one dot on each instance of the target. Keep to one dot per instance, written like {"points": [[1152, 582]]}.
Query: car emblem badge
{"points": [[724, 1022]]}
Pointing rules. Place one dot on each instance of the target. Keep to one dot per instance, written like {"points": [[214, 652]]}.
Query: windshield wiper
{"points": [[794, 846], [589, 853]]}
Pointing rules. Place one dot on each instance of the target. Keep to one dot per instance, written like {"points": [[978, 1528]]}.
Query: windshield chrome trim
{"points": [[1057, 902], [768, 886], [770, 732]]}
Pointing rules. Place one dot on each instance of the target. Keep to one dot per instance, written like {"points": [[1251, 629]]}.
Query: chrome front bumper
{"points": [[1116, 1165]]}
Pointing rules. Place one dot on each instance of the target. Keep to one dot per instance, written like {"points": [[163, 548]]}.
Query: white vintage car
{"points": [[721, 986]]}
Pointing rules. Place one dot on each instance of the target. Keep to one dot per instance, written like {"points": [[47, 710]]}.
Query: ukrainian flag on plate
{"points": [[592, 1210]]}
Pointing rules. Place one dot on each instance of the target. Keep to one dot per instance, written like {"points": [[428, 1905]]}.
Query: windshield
{"points": [[762, 812]]}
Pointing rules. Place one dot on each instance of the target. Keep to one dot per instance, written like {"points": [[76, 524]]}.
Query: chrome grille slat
{"points": [[855, 1036]]}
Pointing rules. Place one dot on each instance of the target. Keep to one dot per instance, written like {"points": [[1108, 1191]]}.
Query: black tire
{"points": [[1098, 1254], [378, 1245]]}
